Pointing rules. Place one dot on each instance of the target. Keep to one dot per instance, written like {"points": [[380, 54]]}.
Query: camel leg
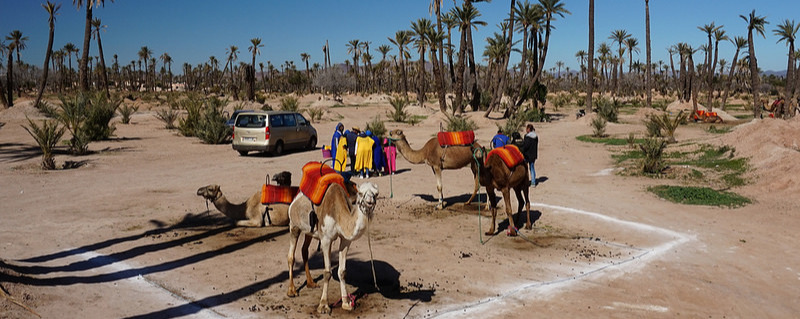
{"points": [[493, 203], [344, 246], [326, 276], [295, 234], [477, 183], [524, 190], [249, 223], [306, 243], [438, 173], [507, 199]]}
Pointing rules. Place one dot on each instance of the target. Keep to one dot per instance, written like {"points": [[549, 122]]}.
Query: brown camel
{"points": [[438, 158], [496, 175], [337, 217], [251, 213]]}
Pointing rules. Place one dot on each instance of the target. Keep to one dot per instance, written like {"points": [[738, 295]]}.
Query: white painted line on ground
{"points": [[144, 284], [547, 288]]}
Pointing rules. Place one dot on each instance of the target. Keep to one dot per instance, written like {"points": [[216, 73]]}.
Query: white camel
{"points": [[336, 217]]}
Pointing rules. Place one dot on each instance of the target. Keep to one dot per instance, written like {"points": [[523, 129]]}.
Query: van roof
{"points": [[267, 112]]}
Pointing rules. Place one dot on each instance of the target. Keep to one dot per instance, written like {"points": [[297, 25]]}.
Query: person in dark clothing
{"points": [[500, 139], [530, 150], [516, 140], [351, 147]]}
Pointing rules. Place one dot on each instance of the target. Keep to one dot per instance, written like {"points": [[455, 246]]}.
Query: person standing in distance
{"points": [[530, 150]]}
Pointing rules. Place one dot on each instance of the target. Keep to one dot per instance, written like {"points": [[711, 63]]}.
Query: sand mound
{"points": [[774, 149], [20, 110]]}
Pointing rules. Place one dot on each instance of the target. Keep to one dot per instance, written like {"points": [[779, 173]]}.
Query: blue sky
{"points": [[192, 30]]}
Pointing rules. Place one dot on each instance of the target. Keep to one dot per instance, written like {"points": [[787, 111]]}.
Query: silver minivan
{"points": [[272, 132]]}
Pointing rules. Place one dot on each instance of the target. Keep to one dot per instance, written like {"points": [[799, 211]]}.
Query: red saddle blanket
{"points": [[456, 138], [274, 194], [316, 179], [510, 154]]}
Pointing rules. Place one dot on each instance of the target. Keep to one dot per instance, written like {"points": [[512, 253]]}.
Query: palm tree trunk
{"points": [[476, 93], [590, 64], [789, 89], [754, 79], [10, 80], [458, 102], [46, 67], [84, 63], [503, 67], [647, 80], [103, 72]]}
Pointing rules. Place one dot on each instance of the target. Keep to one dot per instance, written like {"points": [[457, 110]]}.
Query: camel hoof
{"points": [[489, 233], [511, 232], [311, 285], [528, 226], [291, 292], [323, 309]]}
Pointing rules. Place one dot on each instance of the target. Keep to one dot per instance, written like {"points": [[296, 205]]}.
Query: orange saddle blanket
{"points": [[274, 194], [456, 138], [316, 179], [510, 154]]}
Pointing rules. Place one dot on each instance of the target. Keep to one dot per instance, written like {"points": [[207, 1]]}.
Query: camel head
{"points": [[210, 192], [283, 178], [367, 198], [397, 134]]}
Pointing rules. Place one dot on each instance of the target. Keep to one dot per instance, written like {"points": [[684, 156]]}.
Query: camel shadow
{"points": [[359, 275], [519, 220], [453, 200]]}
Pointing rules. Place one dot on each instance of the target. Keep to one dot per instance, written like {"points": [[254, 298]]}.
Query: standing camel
{"points": [[438, 158], [251, 213], [336, 217], [495, 173]]}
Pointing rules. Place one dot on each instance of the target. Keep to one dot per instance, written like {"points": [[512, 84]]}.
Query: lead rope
{"points": [[477, 163], [371, 259]]}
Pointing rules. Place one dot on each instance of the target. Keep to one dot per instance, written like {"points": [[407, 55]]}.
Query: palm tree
{"points": [[551, 9], [619, 36], [508, 34], [528, 17], [465, 17], [167, 59], [233, 55], [647, 80], [719, 35], [366, 59], [83, 67], [354, 48], [787, 31], [436, 7], [632, 44], [756, 23], [384, 50], [250, 73], [421, 28], [52, 11], [144, 55], [17, 43], [305, 56], [97, 25], [69, 49], [401, 39], [590, 58], [9, 49], [581, 55]]}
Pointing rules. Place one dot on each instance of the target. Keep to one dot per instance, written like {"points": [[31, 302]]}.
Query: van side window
{"points": [[275, 121], [301, 120], [288, 120]]}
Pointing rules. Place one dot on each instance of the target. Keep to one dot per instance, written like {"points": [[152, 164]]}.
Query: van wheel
{"points": [[278, 151], [243, 153], [312, 143]]}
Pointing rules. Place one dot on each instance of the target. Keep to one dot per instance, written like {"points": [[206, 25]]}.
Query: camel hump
{"points": [[510, 155], [456, 138], [316, 179]]}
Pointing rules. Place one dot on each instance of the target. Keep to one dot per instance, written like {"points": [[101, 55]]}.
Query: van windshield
{"points": [[251, 121]]}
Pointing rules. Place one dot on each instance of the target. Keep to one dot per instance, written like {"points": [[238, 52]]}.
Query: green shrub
{"points": [[211, 128], [512, 124], [48, 109], [699, 196], [534, 115], [73, 115], [46, 136], [290, 104], [598, 127], [126, 111], [168, 116], [653, 128], [607, 109], [398, 114], [315, 114], [377, 127], [653, 150], [100, 112], [457, 123], [669, 124]]}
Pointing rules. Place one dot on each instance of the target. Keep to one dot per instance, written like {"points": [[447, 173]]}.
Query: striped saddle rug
{"points": [[316, 179], [456, 138], [274, 194], [510, 155]]}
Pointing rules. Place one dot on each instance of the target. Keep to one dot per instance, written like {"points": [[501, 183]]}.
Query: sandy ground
{"points": [[125, 236]]}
